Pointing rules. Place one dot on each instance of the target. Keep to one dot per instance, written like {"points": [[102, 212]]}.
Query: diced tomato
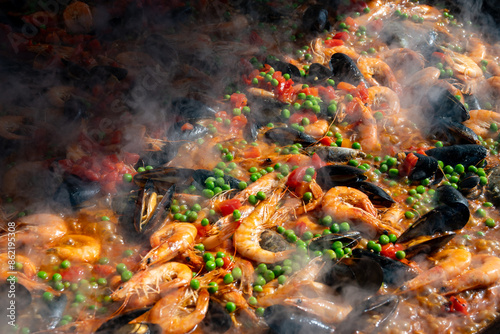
{"points": [[299, 160], [238, 122], [341, 35], [221, 114], [327, 141], [458, 304], [91, 175], [298, 116], [327, 93], [441, 56], [353, 25], [202, 230], [109, 187], [285, 92], [255, 39], [389, 250], [408, 164], [228, 206], [317, 162], [300, 228], [346, 86], [334, 42], [130, 158], [296, 177], [103, 270], [238, 100], [187, 127], [73, 274], [310, 91], [252, 152]]}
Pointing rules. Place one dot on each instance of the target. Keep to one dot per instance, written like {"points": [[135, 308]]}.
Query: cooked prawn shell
{"points": [[78, 248]]}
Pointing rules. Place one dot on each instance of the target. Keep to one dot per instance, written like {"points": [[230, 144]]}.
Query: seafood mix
{"points": [[249, 167]]}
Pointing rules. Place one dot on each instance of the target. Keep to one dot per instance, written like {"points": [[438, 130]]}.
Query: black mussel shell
{"points": [[159, 214], [493, 190], [453, 132], [445, 106], [318, 72], [175, 132], [157, 158], [338, 175], [395, 272], [74, 191], [467, 155], [335, 154], [191, 109], [348, 239], [377, 195], [470, 186], [315, 19], [290, 320], [451, 196], [273, 241], [472, 102], [74, 71], [444, 218], [425, 168], [284, 68], [288, 136], [353, 278], [217, 320], [53, 312], [428, 245], [360, 317], [200, 175], [251, 131], [103, 72], [112, 325], [345, 69], [76, 109]]}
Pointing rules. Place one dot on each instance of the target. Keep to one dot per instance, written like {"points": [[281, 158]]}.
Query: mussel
{"points": [[273, 241], [493, 189], [290, 320], [178, 131], [344, 69], [315, 19], [318, 73], [187, 108], [428, 245], [467, 155], [452, 215], [382, 306], [394, 272], [348, 239], [74, 191], [217, 320], [151, 208], [425, 167], [120, 324], [287, 136], [470, 185], [335, 154], [284, 68]]}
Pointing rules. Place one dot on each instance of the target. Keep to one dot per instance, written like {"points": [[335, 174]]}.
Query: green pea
{"points": [[400, 255], [344, 227], [194, 284], [127, 177], [384, 239], [261, 195], [213, 287], [307, 196], [42, 275], [126, 275], [481, 213], [228, 278], [490, 222]]}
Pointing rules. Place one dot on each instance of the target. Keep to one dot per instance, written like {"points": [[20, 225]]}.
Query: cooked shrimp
{"points": [[464, 68], [78, 248], [428, 13], [145, 286], [424, 78], [78, 18], [378, 10], [177, 237], [481, 120], [484, 272], [404, 62], [171, 313], [476, 49], [25, 276], [383, 95], [378, 73], [449, 263], [246, 237], [38, 230], [247, 275], [259, 92], [323, 53], [349, 204], [367, 129], [317, 129], [12, 126], [265, 184], [325, 310]]}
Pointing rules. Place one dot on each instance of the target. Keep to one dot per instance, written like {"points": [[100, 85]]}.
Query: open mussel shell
{"points": [[191, 109], [290, 320], [53, 312], [335, 154], [377, 195], [451, 196], [118, 322], [371, 314], [176, 133], [445, 106], [217, 320], [395, 272], [353, 278], [318, 73], [273, 241], [315, 19], [284, 68], [425, 168], [150, 211], [157, 158], [470, 186], [336, 175], [200, 175], [288, 136], [74, 191], [348, 239], [428, 245], [443, 218], [493, 190], [453, 132], [467, 155]]}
